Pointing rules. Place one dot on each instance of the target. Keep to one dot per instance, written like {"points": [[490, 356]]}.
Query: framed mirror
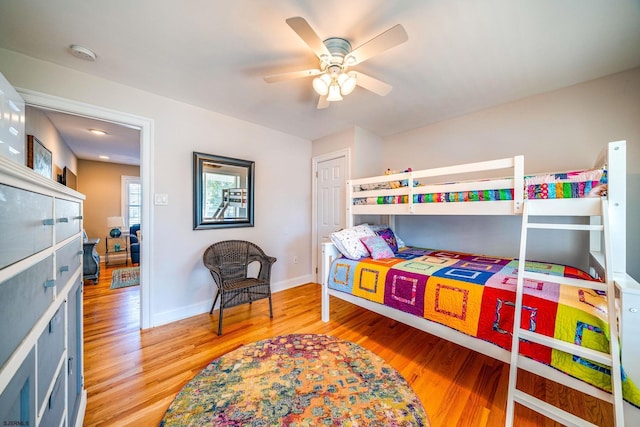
{"points": [[222, 192]]}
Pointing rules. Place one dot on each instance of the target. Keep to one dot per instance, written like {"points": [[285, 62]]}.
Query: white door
{"points": [[331, 195]]}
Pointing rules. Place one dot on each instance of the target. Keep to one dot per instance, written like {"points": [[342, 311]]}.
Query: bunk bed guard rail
{"points": [[358, 189]]}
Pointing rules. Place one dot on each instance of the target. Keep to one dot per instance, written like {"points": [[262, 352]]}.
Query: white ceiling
{"points": [[461, 56], [121, 144]]}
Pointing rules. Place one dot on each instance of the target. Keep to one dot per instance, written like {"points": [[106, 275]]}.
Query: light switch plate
{"points": [[161, 199]]}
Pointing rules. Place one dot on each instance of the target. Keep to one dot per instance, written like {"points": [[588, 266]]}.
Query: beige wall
{"points": [[560, 130], [102, 184], [365, 150], [39, 125]]}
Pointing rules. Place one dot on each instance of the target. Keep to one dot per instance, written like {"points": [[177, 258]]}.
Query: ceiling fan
{"points": [[332, 80]]}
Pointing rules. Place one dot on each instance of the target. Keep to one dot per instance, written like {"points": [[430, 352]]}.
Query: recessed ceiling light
{"points": [[83, 52], [104, 157], [97, 132]]}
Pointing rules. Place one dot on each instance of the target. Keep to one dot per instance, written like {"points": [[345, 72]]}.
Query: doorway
{"points": [[145, 126], [331, 172]]}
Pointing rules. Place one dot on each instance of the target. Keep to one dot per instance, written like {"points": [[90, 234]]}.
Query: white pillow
{"points": [[348, 241]]}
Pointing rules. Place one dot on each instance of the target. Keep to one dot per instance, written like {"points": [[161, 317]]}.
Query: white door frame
{"points": [[146, 125], [346, 153]]}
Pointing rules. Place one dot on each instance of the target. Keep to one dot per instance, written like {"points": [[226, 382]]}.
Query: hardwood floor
{"points": [[132, 376]]}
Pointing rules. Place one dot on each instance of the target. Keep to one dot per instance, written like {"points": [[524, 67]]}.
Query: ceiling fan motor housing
{"points": [[339, 49]]}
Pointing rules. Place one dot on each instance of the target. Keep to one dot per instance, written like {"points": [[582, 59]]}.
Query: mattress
{"points": [[475, 294]]}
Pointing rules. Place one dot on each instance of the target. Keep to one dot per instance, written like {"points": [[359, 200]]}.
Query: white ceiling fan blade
{"points": [[323, 103], [372, 84], [291, 75], [392, 37], [306, 33]]}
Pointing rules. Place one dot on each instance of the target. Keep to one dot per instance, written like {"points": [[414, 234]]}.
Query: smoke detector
{"points": [[82, 52]]}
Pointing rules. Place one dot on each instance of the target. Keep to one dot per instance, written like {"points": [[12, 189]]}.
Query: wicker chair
{"points": [[228, 262]]}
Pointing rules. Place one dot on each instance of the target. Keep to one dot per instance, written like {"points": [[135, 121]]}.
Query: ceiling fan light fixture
{"points": [[331, 79], [321, 84], [334, 93], [347, 83]]}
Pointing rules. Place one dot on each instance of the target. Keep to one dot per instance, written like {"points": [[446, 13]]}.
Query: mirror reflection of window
{"points": [[222, 188]]}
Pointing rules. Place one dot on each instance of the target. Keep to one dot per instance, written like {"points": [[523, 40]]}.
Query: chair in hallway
{"points": [[228, 262], [134, 244]]}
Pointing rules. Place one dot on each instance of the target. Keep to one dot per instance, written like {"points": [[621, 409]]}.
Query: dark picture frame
{"points": [[39, 157], [223, 192], [69, 178]]}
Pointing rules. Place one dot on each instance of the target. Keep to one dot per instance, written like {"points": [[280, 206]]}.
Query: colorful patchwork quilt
{"points": [[475, 294]]}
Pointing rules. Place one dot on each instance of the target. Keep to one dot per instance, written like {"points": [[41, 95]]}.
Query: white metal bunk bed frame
{"points": [[628, 298]]}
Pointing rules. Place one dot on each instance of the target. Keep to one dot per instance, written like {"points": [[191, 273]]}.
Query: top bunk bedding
{"points": [[564, 185], [423, 192]]}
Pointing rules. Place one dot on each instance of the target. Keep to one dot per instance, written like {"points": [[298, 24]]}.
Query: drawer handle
{"points": [[50, 283], [64, 268], [48, 221], [80, 252], [64, 219], [70, 366], [54, 392], [77, 217], [54, 320]]}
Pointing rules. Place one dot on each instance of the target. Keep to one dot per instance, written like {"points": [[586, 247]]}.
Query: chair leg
{"points": [[270, 308], [220, 322], [214, 301]]}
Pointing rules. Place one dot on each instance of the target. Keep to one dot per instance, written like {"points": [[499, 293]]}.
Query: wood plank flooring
{"points": [[132, 376]]}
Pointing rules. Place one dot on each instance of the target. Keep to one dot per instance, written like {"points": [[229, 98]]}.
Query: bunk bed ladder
{"points": [[224, 204], [610, 359]]}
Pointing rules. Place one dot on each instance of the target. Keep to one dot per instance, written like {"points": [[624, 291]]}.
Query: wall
{"points": [[366, 159], [38, 124], [368, 147], [559, 130], [101, 182], [179, 284], [365, 149]]}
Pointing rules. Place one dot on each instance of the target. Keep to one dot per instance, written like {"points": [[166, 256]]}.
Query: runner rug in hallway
{"points": [[123, 277], [301, 380]]}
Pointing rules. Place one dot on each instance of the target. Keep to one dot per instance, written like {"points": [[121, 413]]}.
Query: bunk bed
{"points": [[231, 198], [415, 193]]}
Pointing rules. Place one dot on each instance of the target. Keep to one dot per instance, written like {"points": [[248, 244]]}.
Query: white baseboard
{"points": [[180, 313]]}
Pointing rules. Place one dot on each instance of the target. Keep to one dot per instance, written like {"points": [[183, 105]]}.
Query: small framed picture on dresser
{"points": [[38, 157]]}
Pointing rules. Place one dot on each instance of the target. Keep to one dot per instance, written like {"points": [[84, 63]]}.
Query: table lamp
{"points": [[115, 223]]}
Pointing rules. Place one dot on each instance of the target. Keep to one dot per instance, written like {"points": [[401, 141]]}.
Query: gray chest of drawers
{"points": [[41, 253]]}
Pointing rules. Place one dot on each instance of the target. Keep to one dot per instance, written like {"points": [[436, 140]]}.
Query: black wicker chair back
{"points": [[228, 262]]}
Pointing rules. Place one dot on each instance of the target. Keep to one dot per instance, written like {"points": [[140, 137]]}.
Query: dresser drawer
{"points": [[68, 219], [50, 348], [26, 223], [27, 296], [18, 400], [68, 260], [54, 405]]}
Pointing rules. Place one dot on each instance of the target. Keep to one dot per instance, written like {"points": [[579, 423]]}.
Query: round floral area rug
{"points": [[297, 380]]}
